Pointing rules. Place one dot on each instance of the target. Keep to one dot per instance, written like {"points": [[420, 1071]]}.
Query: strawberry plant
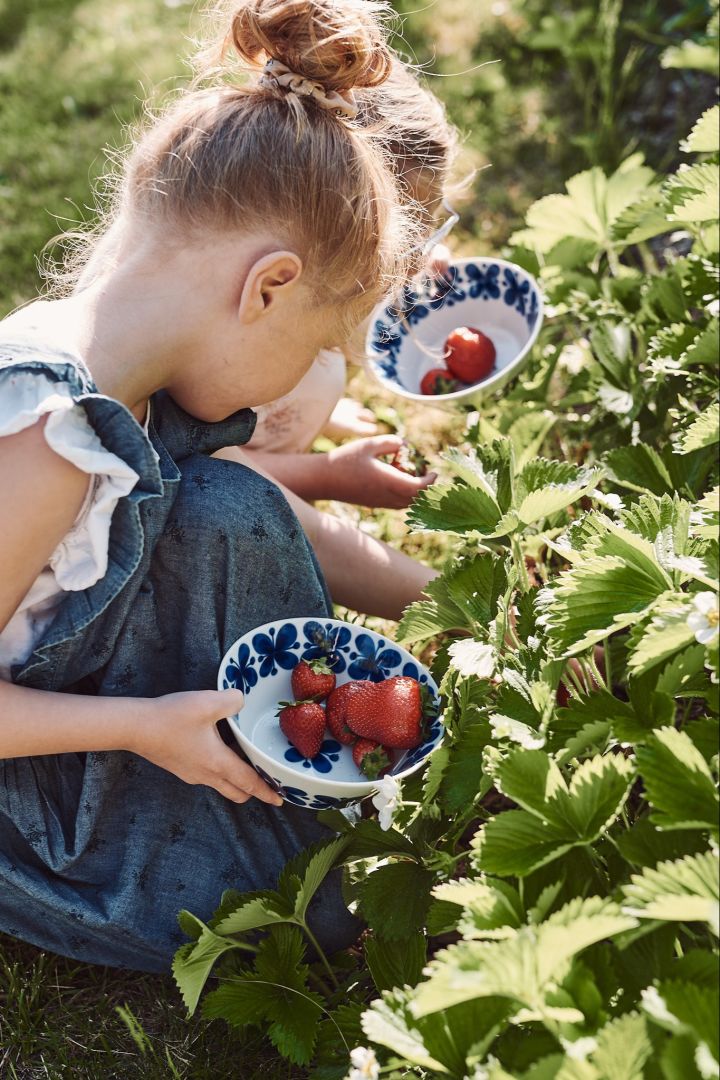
{"points": [[542, 901]]}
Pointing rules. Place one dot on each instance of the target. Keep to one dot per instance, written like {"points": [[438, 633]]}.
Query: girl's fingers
{"points": [[377, 445], [229, 791], [226, 703]]}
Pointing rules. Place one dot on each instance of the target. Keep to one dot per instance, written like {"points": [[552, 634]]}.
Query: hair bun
{"points": [[339, 43]]}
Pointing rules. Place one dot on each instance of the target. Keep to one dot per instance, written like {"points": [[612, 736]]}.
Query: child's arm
{"points": [[351, 473], [362, 573], [40, 495]]}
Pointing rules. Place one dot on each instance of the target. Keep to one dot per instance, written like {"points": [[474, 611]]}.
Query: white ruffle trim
{"points": [[81, 558]]}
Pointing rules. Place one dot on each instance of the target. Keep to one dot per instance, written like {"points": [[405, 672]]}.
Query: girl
{"points": [[421, 144], [129, 558]]}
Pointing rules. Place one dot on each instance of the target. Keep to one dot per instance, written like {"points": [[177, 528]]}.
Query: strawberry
{"points": [[335, 707], [409, 460], [469, 354], [312, 680], [371, 758], [437, 381], [303, 722], [390, 712]]}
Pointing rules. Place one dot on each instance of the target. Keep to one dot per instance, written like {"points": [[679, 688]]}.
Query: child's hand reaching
{"points": [[350, 419], [356, 475]]}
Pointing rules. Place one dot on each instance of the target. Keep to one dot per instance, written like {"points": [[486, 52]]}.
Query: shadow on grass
{"points": [[60, 1018]]}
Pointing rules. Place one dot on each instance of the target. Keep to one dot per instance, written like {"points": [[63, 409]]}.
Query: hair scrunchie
{"points": [[275, 73]]}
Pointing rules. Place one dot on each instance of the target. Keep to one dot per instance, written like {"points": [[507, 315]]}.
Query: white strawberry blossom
{"points": [[386, 800], [364, 1064], [472, 658], [704, 618], [575, 357], [614, 400]]}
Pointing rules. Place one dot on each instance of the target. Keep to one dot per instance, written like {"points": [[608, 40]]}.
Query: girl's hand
{"points": [[349, 419], [357, 476], [179, 734]]}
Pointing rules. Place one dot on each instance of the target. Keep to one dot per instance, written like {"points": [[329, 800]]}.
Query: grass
{"points": [[72, 73]]}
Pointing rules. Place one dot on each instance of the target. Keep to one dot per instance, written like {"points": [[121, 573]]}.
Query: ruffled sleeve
{"points": [[81, 558]]}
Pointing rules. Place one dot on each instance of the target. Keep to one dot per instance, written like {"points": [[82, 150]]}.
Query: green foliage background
{"points": [[540, 92]]}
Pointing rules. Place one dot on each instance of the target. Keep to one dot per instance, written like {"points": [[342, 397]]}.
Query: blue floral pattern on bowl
{"points": [[260, 664], [328, 753], [490, 281]]}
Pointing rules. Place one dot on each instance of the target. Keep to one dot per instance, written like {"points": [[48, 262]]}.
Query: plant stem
{"points": [[595, 670], [321, 955], [608, 663], [519, 560]]}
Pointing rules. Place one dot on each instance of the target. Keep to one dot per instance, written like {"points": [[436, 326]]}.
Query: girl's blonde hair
{"points": [[259, 157]]}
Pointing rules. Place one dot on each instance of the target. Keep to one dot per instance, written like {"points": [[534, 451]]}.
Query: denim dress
{"points": [[99, 851]]}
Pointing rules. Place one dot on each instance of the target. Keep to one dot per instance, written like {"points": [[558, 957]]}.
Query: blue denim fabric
{"points": [[99, 851]]}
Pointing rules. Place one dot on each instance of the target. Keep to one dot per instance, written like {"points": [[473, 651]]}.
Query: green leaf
{"points": [[255, 910], [639, 468], [589, 210], [693, 55], [488, 907], [425, 619], [646, 845], [650, 516], [524, 968], [395, 963], [304, 874], [646, 218], [596, 795], [623, 1047], [464, 780], [528, 433], [476, 584], [367, 840], [394, 899], [705, 135], [595, 598], [388, 1023], [546, 487], [516, 842], [665, 634], [678, 783], [694, 193], [685, 890], [456, 508], [687, 1009], [531, 779], [704, 430], [240, 1002], [194, 961]]}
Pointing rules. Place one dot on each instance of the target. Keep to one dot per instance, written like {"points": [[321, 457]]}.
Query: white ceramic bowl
{"points": [[260, 664], [495, 296]]}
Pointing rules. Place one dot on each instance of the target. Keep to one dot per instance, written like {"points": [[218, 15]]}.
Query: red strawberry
{"points": [[437, 381], [409, 460], [303, 722], [390, 712], [469, 354], [371, 758], [312, 680], [335, 707]]}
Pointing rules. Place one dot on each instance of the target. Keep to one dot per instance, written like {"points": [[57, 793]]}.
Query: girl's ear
{"points": [[268, 280]]}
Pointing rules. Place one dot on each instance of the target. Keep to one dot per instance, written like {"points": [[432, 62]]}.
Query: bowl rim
{"points": [[486, 385], [359, 787]]}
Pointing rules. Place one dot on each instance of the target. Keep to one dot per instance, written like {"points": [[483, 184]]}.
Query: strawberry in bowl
{"points": [[374, 678], [454, 341]]}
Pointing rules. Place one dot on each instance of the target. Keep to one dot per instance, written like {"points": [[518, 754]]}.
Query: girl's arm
{"points": [[362, 573], [40, 496], [351, 473]]}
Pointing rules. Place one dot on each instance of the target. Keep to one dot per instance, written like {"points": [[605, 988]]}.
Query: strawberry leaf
{"points": [[678, 783], [685, 890], [380, 891], [395, 963]]}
